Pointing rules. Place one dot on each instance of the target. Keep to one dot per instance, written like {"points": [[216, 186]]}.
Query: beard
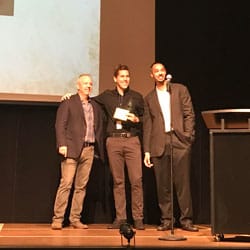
{"points": [[161, 79]]}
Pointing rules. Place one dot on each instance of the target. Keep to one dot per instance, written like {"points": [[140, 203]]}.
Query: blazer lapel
{"points": [[156, 102]]}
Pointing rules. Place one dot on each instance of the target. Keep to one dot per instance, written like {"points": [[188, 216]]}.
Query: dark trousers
{"points": [[181, 179], [121, 152]]}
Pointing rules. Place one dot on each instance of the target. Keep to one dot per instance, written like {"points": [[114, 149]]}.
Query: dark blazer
{"points": [[71, 126], [183, 119]]}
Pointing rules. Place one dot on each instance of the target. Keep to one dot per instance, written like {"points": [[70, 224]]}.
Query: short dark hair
{"points": [[157, 62], [120, 67]]}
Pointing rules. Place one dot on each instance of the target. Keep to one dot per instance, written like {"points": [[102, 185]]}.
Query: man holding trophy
{"points": [[124, 109]]}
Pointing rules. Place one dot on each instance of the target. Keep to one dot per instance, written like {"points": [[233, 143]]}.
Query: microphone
{"points": [[168, 78]]}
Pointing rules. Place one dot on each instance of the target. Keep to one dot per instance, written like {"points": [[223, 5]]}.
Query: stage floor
{"points": [[99, 237]]}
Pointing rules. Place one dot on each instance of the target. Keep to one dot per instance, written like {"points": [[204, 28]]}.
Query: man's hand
{"points": [[132, 117], [147, 161], [63, 150], [66, 96]]}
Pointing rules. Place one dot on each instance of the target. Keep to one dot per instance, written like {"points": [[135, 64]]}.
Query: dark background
{"points": [[204, 45]]}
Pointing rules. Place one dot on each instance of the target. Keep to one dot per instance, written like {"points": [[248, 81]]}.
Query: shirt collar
{"points": [[125, 91]]}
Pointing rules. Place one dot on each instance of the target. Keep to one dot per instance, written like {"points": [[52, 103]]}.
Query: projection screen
{"points": [[46, 44]]}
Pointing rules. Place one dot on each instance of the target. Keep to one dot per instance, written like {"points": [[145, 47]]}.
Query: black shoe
{"points": [[190, 227], [116, 224], [164, 226], [138, 224]]}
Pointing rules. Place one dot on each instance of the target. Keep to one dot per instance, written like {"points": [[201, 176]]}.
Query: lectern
{"points": [[229, 142]]}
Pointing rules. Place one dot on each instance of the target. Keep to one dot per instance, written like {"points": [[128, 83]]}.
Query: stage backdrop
{"points": [[30, 165]]}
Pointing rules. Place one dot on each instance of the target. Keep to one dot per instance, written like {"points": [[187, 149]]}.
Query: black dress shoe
{"points": [[190, 228], [164, 226]]}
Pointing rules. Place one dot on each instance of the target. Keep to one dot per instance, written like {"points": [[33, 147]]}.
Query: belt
{"points": [[122, 135], [88, 144]]}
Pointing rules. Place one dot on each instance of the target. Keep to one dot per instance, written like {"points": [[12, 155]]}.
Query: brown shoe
{"points": [[78, 225], [56, 225], [138, 224], [116, 224]]}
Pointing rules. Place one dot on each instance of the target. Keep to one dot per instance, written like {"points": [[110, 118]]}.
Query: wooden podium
{"points": [[229, 141]]}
